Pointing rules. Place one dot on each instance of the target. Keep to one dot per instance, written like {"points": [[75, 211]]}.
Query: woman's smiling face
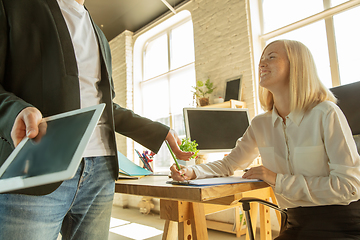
{"points": [[274, 68]]}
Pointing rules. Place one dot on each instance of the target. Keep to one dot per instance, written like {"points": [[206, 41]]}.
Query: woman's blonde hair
{"points": [[306, 89]]}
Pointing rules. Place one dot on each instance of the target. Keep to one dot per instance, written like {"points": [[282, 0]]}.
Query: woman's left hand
{"points": [[261, 173]]}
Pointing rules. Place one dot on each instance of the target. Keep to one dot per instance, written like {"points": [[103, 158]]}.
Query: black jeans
{"points": [[340, 222]]}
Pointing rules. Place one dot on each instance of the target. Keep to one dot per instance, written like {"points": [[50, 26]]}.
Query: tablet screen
{"points": [[54, 151]]}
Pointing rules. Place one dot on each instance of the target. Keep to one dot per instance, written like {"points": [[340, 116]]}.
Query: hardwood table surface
{"points": [[156, 186]]}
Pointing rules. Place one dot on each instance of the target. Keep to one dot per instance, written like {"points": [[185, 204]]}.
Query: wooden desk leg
{"points": [[170, 230], [185, 230], [189, 216], [273, 198], [265, 225], [198, 222], [237, 222]]}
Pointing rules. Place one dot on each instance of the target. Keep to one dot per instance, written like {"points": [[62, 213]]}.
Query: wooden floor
{"points": [[130, 224]]}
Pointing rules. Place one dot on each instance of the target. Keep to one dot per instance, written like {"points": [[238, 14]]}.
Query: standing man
{"points": [[53, 59]]}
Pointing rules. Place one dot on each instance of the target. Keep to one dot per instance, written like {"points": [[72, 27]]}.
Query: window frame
{"points": [[167, 31], [140, 40], [327, 16]]}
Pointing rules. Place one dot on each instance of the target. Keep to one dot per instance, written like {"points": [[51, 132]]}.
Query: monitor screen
{"points": [[233, 88], [215, 129]]}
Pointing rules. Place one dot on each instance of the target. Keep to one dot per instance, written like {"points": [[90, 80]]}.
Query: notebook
{"points": [[214, 181], [130, 170]]}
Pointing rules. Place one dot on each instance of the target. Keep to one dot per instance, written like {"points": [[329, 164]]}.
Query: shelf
{"points": [[228, 104]]}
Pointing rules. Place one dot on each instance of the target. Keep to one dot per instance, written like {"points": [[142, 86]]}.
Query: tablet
{"points": [[55, 154]]}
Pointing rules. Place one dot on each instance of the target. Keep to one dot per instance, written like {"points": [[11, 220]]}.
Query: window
{"points": [[347, 42], [168, 74], [325, 27]]}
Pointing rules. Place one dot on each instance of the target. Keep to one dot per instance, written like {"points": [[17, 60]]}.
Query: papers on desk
{"points": [[129, 170], [214, 181]]}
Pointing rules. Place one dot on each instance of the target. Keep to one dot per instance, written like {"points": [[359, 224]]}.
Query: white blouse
{"points": [[313, 154]]}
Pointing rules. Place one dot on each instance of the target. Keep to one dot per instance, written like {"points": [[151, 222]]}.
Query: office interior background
{"points": [[155, 67]]}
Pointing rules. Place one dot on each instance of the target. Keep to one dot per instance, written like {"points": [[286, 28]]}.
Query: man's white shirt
{"points": [[87, 54]]}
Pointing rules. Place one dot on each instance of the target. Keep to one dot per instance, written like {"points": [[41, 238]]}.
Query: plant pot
{"points": [[204, 101]]}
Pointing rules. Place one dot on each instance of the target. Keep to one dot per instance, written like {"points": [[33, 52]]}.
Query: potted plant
{"points": [[201, 90]]}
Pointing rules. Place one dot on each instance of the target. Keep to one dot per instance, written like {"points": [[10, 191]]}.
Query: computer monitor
{"points": [[215, 129], [233, 89]]}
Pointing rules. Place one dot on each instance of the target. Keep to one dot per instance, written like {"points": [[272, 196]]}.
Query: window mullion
{"points": [[169, 49], [331, 41], [168, 78]]}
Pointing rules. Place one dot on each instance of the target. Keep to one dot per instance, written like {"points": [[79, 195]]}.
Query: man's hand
{"points": [[183, 174], [261, 173], [26, 124], [174, 142]]}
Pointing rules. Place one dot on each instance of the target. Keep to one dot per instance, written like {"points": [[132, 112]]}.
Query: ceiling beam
{"points": [[169, 6]]}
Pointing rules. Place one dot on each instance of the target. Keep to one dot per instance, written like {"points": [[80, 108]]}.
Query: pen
{"points": [[147, 158], [147, 161], [172, 154], [143, 161]]}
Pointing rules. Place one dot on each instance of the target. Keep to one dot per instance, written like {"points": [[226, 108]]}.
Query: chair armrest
{"points": [[246, 207], [266, 203]]}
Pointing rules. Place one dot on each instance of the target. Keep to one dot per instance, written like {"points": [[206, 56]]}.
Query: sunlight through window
{"points": [[114, 222], [136, 231], [332, 40], [168, 74]]}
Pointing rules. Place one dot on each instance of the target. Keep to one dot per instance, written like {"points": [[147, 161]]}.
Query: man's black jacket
{"points": [[38, 68]]}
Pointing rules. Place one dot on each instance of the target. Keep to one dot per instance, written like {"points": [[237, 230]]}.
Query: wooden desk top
{"points": [[156, 186]]}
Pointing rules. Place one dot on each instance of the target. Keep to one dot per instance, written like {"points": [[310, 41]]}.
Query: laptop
{"points": [[55, 154]]}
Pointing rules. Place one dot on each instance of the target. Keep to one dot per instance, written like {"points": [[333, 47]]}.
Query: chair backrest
{"points": [[349, 101]]}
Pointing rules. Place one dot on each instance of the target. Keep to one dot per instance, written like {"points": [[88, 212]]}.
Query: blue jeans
{"points": [[80, 208]]}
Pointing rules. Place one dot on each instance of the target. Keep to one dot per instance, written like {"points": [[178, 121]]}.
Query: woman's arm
{"points": [[240, 157]]}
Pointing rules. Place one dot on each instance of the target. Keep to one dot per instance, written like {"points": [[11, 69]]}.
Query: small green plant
{"points": [[203, 89], [189, 146]]}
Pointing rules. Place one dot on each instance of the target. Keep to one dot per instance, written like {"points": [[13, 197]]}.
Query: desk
{"points": [[185, 204]]}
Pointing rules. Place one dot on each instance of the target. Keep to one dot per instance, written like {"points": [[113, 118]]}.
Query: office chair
{"points": [[246, 207], [348, 100]]}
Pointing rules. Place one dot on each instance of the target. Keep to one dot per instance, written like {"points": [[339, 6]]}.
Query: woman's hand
{"points": [[261, 173], [174, 142], [183, 174]]}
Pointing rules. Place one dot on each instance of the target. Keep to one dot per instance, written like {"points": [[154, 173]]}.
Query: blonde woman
{"points": [[309, 155]]}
